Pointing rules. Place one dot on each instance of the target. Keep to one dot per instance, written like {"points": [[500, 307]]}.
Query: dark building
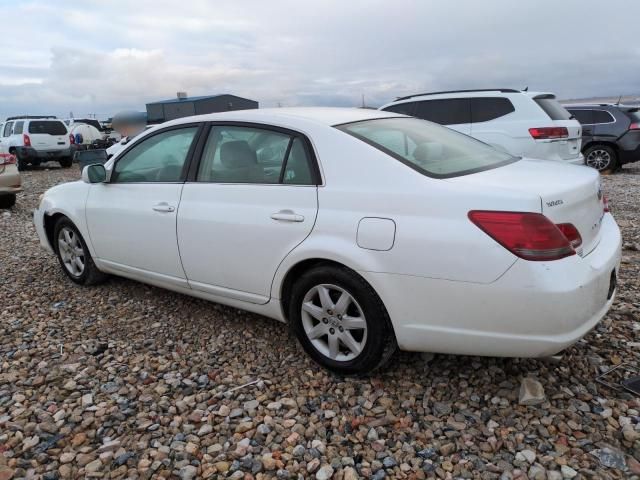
{"points": [[183, 106]]}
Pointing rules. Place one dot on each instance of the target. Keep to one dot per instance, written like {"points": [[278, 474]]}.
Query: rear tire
{"points": [[340, 321], [7, 201], [66, 162], [74, 256], [601, 157]]}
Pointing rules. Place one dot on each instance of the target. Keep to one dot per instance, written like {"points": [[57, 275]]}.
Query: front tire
{"points": [[74, 256], [66, 162], [601, 157], [7, 201], [340, 321]]}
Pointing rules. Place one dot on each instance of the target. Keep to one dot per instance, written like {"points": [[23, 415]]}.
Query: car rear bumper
{"points": [[629, 147], [535, 309], [30, 153], [10, 181]]}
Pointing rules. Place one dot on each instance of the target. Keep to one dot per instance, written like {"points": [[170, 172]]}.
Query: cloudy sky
{"points": [[103, 56]]}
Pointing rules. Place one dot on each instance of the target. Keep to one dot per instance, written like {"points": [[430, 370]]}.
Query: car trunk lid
{"points": [[568, 194], [48, 135], [567, 147]]}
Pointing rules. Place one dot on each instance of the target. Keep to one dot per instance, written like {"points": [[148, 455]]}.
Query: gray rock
{"points": [[531, 392], [610, 457]]}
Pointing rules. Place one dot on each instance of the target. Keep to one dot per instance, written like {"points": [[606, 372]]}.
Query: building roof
{"points": [[193, 99]]}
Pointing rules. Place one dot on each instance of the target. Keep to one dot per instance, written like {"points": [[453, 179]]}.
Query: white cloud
{"points": [[98, 57]]}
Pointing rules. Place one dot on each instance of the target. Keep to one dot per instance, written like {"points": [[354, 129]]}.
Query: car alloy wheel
{"points": [[71, 251], [599, 159], [333, 322]]}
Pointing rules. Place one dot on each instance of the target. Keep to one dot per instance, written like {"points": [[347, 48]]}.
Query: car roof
{"points": [[600, 105], [329, 116], [500, 92]]}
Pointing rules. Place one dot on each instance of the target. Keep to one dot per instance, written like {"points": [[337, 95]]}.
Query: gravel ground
{"points": [[130, 381]]}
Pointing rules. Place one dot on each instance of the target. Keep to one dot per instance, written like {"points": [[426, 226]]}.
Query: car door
{"points": [[132, 218], [252, 199], [454, 113], [585, 117]]}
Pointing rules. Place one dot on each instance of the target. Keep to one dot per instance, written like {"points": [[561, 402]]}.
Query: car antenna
{"points": [[619, 98]]}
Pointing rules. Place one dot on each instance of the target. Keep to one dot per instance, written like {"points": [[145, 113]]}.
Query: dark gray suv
{"points": [[610, 134]]}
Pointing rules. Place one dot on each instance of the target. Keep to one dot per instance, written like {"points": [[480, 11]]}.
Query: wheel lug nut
{"points": [[330, 312], [339, 317], [332, 331], [341, 329], [324, 320]]}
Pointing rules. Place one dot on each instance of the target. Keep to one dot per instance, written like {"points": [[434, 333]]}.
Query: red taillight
{"points": [[26, 140], [634, 126], [545, 133], [572, 234], [605, 204], [72, 139], [531, 236], [7, 159]]}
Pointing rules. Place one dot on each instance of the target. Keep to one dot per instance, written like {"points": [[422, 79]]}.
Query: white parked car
{"points": [[34, 140], [526, 124], [365, 230]]}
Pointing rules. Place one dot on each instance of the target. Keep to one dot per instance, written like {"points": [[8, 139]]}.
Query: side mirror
{"points": [[95, 173]]}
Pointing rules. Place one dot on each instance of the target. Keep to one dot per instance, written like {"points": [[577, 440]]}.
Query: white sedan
{"points": [[366, 231]]}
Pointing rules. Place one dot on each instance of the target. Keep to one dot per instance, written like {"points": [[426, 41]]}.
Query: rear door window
{"points": [[552, 108], [450, 111], [484, 109], [585, 117], [17, 128], [407, 108], [47, 127]]}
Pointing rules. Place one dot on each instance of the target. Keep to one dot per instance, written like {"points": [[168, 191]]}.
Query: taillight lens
{"points": [[72, 139], [545, 133], [26, 140], [572, 234], [634, 126], [531, 236], [7, 159]]}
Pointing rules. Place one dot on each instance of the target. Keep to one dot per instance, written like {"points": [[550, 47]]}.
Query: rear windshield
{"points": [[430, 149], [553, 108], [52, 128]]}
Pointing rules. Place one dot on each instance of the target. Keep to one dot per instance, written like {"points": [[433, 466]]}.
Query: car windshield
{"points": [[429, 148]]}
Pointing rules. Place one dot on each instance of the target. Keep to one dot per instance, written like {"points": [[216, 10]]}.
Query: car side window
{"points": [[407, 108], [585, 117], [236, 154], [450, 111], [484, 109], [158, 158], [7, 129], [600, 116], [17, 128]]}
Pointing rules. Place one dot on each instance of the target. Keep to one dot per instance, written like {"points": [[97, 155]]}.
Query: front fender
{"points": [[68, 199]]}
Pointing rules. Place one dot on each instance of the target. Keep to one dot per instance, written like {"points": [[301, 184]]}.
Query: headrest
{"points": [[428, 151], [237, 154]]}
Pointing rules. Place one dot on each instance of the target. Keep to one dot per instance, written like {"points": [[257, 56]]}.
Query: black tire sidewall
{"points": [[609, 150], [7, 201], [88, 261], [379, 332]]}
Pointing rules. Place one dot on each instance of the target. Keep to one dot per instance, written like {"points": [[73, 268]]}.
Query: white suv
{"points": [[34, 140], [527, 124]]}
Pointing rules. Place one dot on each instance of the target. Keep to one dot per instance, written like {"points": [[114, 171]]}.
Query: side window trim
{"points": [[314, 166], [286, 160], [190, 154]]}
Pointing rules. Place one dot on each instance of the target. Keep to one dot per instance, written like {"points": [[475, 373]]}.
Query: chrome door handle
{"points": [[164, 207], [287, 216]]}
